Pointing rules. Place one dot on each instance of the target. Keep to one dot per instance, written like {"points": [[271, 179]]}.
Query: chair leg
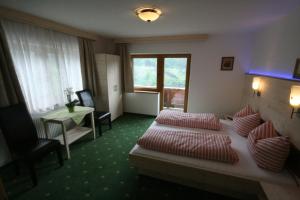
{"points": [[99, 128], [32, 172], [109, 122], [59, 156]]}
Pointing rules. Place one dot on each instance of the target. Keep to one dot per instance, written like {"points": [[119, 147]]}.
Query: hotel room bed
{"points": [[240, 180]]}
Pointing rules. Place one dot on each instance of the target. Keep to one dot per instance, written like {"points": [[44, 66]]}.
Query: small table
{"points": [[61, 116]]}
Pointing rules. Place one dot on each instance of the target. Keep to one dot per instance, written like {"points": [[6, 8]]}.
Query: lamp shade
{"points": [[256, 83], [148, 14], [295, 96]]}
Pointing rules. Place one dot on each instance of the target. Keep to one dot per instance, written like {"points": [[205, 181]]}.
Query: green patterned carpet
{"points": [[98, 170]]}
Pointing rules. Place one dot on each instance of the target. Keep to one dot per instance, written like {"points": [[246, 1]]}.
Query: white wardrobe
{"points": [[110, 77]]}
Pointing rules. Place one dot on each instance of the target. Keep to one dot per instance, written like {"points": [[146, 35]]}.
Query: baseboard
{"points": [[139, 114]]}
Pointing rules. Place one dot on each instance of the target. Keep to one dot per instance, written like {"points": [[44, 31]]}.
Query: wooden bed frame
{"points": [[209, 181]]}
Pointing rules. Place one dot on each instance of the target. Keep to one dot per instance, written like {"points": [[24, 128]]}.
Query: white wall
{"points": [[142, 103], [277, 46], [104, 45], [211, 90]]}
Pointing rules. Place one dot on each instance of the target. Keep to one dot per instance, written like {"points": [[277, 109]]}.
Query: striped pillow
{"points": [[265, 130], [243, 125], [191, 120], [247, 110], [271, 153]]}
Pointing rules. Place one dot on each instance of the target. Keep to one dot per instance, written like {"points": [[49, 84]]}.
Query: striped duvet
{"points": [[190, 120], [207, 146]]}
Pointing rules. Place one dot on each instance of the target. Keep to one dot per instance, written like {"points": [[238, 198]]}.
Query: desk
{"points": [[61, 116]]}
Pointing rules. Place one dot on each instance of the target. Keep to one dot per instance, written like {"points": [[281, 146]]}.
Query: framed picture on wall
{"points": [[297, 69], [227, 63]]}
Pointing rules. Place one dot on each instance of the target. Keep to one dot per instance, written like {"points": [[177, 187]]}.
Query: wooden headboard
{"points": [[273, 105]]}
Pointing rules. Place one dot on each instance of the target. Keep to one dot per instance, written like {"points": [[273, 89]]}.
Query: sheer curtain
{"points": [[46, 62]]}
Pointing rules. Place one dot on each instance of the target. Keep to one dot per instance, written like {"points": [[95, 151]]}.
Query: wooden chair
{"points": [[3, 195], [86, 99], [21, 137]]}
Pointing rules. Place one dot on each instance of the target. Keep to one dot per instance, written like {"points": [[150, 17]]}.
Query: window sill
{"points": [[147, 92]]}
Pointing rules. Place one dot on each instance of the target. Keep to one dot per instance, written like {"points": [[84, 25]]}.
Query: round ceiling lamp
{"points": [[148, 14]]}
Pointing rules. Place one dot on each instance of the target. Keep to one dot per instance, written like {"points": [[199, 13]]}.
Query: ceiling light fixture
{"points": [[148, 14]]}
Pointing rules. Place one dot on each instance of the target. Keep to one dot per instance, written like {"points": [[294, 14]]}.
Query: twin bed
{"points": [[241, 179]]}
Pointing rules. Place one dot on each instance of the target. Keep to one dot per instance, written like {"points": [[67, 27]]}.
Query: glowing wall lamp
{"points": [[295, 99], [256, 86]]}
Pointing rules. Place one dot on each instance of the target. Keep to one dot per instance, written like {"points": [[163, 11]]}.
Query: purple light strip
{"points": [[273, 75]]}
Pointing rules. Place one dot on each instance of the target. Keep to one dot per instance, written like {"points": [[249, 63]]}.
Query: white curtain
{"points": [[46, 62]]}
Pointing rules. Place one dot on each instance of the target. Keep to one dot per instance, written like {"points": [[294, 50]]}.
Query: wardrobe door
{"points": [[114, 86]]}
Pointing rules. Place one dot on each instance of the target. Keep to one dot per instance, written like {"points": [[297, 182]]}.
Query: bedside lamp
{"points": [[256, 86], [295, 99]]}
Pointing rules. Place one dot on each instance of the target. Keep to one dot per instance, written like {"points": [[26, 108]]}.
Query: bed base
{"points": [[209, 181]]}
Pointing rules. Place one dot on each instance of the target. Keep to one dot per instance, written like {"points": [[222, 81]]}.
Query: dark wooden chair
{"points": [[22, 139], [3, 195], [86, 99]]}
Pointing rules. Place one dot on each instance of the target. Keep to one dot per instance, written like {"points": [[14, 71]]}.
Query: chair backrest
{"points": [[17, 127], [85, 98]]}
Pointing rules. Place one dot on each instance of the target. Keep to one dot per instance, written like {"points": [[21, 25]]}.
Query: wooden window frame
{"points": [[145, 89], [160, 75]]}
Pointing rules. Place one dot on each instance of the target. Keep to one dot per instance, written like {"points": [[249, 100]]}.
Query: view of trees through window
{"points": [[145, 72], [175, 72]]}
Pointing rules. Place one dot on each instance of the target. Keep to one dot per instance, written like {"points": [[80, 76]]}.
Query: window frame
{"points": [[160, 75], [146, 89]]}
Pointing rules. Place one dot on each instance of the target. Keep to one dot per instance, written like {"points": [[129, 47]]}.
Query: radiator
{"points": [[54, 129]]}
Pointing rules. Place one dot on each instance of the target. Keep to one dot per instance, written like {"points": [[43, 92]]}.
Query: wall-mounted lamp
{"points": [[256, 86], [295, 99]]}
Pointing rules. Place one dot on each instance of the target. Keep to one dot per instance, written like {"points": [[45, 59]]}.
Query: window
{"points": [[145, 73], [175, 72], [167, 74], [46, 62]]}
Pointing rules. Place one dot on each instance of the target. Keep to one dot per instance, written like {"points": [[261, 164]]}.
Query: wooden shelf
{"points": [[74, 134], [61, 116], [274, 76]]}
